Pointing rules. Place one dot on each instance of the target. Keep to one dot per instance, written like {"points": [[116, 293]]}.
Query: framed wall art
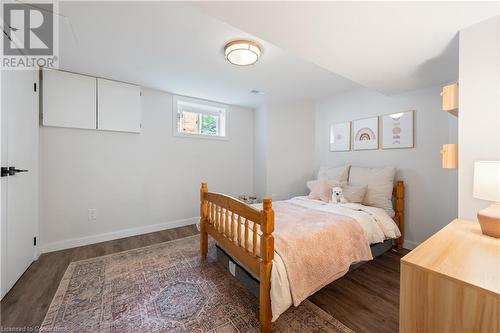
{"points": [[397, 130], [365, 133], [340, 136]]}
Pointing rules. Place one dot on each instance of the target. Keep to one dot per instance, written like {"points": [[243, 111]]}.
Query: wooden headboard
{"points": [[399, 209]]}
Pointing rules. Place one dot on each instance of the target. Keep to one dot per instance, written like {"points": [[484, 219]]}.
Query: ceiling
{"points": [[387, 46], [177, 48], [310, 50]]}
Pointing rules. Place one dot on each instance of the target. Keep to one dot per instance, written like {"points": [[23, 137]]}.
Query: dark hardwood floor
{"points": [[366, 300]]}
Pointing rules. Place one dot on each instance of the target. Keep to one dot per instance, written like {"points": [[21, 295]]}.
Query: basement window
{"points": [[196, 118]]}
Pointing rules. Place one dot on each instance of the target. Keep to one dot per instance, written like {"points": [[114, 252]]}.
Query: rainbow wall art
{"points": [[365, 133]]}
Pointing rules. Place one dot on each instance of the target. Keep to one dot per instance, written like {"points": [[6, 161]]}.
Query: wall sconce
{"points": [[450, 156]]}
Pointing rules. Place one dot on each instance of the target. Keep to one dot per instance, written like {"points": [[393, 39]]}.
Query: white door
{"points": [[19, 190]]}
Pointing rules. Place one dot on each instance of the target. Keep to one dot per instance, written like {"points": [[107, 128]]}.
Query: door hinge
{"points": [[34, 86], [34, 241]]}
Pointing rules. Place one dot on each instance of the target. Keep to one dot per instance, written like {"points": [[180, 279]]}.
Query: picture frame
{"points": [[398, 130], [365, 133], [340, 136]]}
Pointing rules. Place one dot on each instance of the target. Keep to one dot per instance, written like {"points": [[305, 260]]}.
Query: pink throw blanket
{"points": [[316, 247]]}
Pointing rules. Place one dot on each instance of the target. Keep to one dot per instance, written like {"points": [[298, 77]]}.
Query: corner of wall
{"points": [[479, 100]]}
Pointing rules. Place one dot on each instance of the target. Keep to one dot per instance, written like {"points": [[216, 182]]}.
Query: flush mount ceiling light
{"points": [[242, 52]]}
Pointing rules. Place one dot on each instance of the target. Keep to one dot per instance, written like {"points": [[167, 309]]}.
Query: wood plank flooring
{"points": [[366, 300]]}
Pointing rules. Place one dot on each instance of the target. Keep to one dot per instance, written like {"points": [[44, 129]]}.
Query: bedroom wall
{"points": [[260, 151], [479, 107], [137, 182], [431, 192], [284, 153]]}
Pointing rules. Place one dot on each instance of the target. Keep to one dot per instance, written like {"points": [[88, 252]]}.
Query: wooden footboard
{"points": [[239, 228]]}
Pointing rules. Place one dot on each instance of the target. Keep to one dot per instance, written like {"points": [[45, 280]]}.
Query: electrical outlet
{"points": [[232, 268], [92, 214]]}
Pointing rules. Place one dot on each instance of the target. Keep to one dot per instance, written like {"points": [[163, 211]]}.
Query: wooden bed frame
{"points": [[220, 213]]}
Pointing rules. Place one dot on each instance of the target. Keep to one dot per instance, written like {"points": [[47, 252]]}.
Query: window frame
{"points": [[201, 107]]}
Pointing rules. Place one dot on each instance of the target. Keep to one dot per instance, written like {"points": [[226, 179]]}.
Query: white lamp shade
{"points": [[487, 180]]}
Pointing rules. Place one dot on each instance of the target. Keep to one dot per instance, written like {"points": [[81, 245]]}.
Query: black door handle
{"points": [[13, 171]]}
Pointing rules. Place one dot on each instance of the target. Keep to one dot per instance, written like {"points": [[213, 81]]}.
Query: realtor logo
{"points": [[28, 35], [28, 28]]}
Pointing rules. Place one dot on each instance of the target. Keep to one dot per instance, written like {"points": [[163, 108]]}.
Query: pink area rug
{"points": [[166, 288]]}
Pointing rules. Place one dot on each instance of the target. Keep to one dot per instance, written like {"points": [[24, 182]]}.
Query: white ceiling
{"points": [[175, 47], [310, 50], [387, 46]]}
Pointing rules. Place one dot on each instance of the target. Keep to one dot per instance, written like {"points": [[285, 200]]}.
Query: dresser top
{"points": [[461, 252]]}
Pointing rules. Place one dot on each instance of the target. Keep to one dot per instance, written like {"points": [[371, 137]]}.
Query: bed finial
{"points": [[267, 203]]}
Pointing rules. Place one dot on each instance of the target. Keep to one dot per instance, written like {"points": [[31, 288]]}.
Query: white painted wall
{"points": [[479, 107], [137, 182], [431, 192], [284, 150], [260, 150]]}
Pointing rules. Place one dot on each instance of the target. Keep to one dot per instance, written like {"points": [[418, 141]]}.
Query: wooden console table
{"points": [[451, 282]]}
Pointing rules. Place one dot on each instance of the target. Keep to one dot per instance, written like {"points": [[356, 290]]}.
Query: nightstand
{"points": [[451, 282]]}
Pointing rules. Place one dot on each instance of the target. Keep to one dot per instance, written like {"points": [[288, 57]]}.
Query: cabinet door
{"points": [[118, 106], [68, 100]]}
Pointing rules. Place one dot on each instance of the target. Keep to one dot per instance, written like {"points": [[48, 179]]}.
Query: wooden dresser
{"points": [[451, 282]]}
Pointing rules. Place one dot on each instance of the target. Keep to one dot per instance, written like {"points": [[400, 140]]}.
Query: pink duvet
{"points": [[316, 247]]}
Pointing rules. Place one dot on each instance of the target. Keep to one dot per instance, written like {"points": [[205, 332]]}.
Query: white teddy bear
{"points": [[337, 196]]}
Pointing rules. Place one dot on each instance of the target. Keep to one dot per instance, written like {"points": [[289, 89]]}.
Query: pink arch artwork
{"points": [[365, 134]]}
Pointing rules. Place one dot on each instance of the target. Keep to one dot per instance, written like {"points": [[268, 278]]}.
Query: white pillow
{"points": [[379, 183], [336, 174], [353, 193]]}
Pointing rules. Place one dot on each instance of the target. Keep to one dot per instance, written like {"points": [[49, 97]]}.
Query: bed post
{"points": [[267, 254], [203, 220], [400, 211]]}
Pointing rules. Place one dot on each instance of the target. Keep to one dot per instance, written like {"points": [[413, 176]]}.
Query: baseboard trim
{"points": [[87, 240], [410, 245]]}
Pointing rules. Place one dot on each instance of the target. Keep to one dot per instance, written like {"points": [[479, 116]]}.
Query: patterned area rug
{"points": [[166, 288]]}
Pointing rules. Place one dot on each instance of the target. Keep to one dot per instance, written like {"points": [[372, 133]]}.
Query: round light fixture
{"points": [[242, 52]]}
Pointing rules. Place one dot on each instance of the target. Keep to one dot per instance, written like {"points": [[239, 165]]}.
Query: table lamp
{"points": [[487, 187]]}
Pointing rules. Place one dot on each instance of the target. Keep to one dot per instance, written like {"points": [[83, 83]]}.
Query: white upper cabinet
{"points": [[118, 106], [68, 100]]}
